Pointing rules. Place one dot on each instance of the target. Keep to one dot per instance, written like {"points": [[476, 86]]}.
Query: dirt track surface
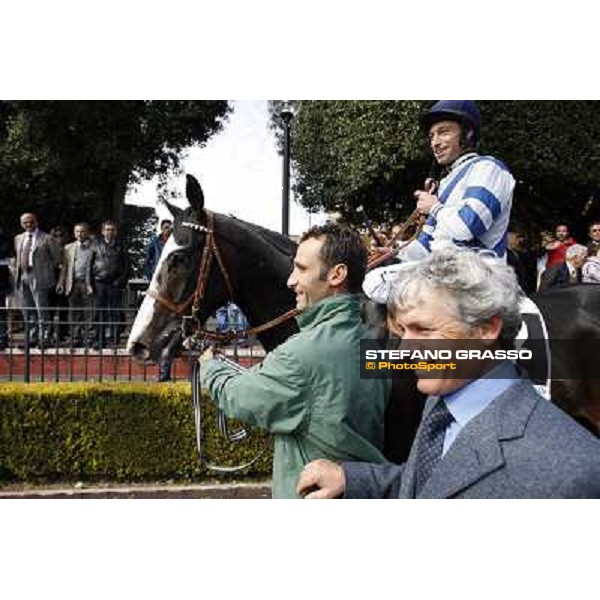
{"points": [[197, 491]]}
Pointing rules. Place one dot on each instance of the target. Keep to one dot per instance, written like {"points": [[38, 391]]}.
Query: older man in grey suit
{"points": [[38, 257], [486, 433], [75, 282]]}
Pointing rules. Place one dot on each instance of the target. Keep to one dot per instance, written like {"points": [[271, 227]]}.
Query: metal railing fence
{"points": [[65, 344]]}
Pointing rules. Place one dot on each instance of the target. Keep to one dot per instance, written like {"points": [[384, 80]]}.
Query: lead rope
{"points": [[237, 436]]}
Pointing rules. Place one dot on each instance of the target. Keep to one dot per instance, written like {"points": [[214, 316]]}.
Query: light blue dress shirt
{"points": [[473, 398]]}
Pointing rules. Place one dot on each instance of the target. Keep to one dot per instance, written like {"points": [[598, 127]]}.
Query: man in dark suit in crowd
{"points": [[567, 272], [155, 248], [110, 271], [522, 260], [485, 433], [39, 257]]}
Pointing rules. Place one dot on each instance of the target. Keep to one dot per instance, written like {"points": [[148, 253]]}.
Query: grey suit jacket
{"points": [[46, 259], [66, 273], [520, 446]]}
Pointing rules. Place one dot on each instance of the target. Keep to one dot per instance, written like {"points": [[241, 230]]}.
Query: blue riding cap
{"points": [[463, 111]]}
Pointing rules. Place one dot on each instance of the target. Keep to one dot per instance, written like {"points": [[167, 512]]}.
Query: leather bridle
{"points": [[210, 253]]}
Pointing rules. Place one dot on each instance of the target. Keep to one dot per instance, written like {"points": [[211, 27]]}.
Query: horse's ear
{"points": [[195, 196], [174, 210]]}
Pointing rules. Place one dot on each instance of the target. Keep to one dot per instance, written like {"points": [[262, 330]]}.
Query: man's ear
{"points": [[337, 275], [490, 331]]}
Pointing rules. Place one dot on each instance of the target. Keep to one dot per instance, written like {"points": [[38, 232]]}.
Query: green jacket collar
{"points": [[327, 308]]}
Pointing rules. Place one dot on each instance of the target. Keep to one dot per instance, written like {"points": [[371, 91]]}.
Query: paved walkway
{"points": [[199, 491]]}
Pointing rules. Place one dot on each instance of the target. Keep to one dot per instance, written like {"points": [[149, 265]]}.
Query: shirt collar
{"points": [[461, 160], [473, 398]]}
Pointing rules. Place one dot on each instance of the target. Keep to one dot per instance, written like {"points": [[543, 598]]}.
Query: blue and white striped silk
{"points": [[473, 209]]}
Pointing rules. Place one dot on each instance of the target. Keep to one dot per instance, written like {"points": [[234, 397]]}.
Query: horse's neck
{"points": [[262, 305], [262, 293]]}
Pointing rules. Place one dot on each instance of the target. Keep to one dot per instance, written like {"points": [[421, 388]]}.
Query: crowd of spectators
{"points": [[566, 262], [68, 292], [68, 288], [71, 289], [555, 261]]}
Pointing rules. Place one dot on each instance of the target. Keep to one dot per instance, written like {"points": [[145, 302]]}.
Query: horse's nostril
{"points": [[139, 351]]}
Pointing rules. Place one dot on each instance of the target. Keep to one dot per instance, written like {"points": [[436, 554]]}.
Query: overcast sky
{"points": [[240, 172]]}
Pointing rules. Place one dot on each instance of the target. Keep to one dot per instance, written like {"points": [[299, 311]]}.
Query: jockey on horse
{"points": [[470, 206]]}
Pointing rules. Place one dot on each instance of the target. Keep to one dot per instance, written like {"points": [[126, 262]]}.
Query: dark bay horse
{"points": [[252, 269], [572, 316], [257, 263]]}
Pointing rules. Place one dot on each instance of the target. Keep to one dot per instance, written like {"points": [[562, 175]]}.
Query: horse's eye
{"points": [[176, 261]]}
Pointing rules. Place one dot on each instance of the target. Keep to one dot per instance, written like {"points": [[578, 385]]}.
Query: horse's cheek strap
{"points": [[178, 309], [205, 264]]}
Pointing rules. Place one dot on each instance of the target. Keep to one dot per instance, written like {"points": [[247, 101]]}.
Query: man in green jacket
{"points": [[308, 392]]}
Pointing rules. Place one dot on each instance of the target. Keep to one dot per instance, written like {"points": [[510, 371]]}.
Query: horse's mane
{"points": [[278, 249], [271, 238]]}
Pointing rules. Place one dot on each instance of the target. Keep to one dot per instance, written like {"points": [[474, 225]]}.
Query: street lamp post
{"points": [[286, 115]]}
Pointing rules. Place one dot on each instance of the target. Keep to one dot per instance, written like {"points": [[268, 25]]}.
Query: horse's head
{"points": [[176, 283]]}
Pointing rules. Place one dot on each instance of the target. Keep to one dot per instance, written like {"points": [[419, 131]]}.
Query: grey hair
{"points": [[576, 250], [482, 286]]}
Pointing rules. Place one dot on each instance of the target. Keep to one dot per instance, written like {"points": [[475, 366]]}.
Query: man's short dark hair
{"points": [[342, 245], [166, 221], [109, 222]]}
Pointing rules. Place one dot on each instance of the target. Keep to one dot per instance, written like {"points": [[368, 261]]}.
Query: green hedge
{"points": [[111, 432]]}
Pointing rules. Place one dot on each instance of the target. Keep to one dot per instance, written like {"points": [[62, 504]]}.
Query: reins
{"points": [[390, 250], [416, 218], [222, 423]]}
